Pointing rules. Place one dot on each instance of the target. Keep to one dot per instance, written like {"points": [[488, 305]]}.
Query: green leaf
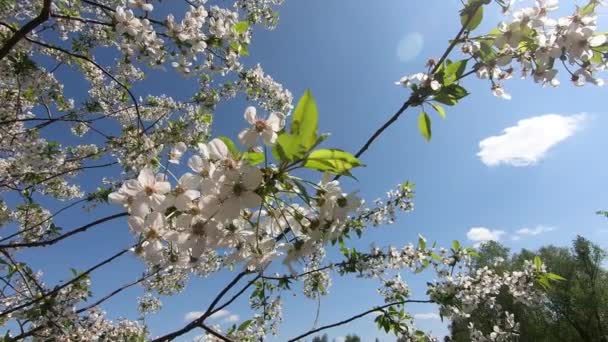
{"points": [[553, 276], [254, 158], [303, 135], [538, 263], [288, 148], [589, 8], [424, 126], [450, 95], [456, 245], [486, 50], [472, 252], [438, 109], [305, 120], [231, 146], [436, 257], [245, 325], [453, 71], [421, 242], [597, 58], [332, 160], [241, 27], [474, 8], [544, 282]]}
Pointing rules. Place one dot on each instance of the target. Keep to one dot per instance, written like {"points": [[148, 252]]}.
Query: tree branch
{"points": [[378, 308], [27, 28], [60, 287], [64, 236], [414, 95], [199, 321]]}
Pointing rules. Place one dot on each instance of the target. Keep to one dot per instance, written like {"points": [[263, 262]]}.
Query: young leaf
{"points": [[253, 158], [438, 109], [424, 125], [474, 8], [453, 71], [538, 263], [332, 160], [450, 95], [231, 146], [305, 120], [240, 27], [288, 148], [553, 276]]}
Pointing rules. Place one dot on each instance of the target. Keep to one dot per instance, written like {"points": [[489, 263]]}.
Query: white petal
{"points": [[276, 121], [269, 137], [196, 164], [250, 115], [218, 149], [597, 40], [248, 137], [136, 224], [252, 178], [250, 199], [133, 187], [146, 177], [162, 187], [189, 181], [117, 198], [140, 209]]}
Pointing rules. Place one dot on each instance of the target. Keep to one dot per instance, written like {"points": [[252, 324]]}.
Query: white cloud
{"points": [[534, 231], [340, 339], [426, 315], [220, 314], [231, 319], [192, 315], [410, 46], [483, 234], [528, 142]]}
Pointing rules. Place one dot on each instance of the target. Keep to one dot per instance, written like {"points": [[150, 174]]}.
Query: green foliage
{"points": [[576, 287], [450, 95], [306, 120], [352, 338], [453, 71], [424, 125], [393, 320], [472, 14], [297, 145], [332, 160], [323, 338], [252, 158], [303, 134], [241, 27], [439, 109]]}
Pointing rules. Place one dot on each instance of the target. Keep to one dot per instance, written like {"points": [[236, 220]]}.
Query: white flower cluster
{"points": [[394, 290], [398, 199], [535, 43], [538, 43], [505, 330], [266, 91], [148, 304], [466, 292], [223, 204]]}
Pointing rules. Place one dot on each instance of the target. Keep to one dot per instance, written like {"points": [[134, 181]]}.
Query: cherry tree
{"points": [[196, 203]]}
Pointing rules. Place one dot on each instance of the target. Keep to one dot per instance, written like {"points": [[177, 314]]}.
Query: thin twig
{"points": [[26, 29], [199, 321], [64, 236], [60, 287], [364, 313]]}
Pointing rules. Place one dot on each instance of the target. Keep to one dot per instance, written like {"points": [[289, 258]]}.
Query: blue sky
{"points": [[349, 53]]}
